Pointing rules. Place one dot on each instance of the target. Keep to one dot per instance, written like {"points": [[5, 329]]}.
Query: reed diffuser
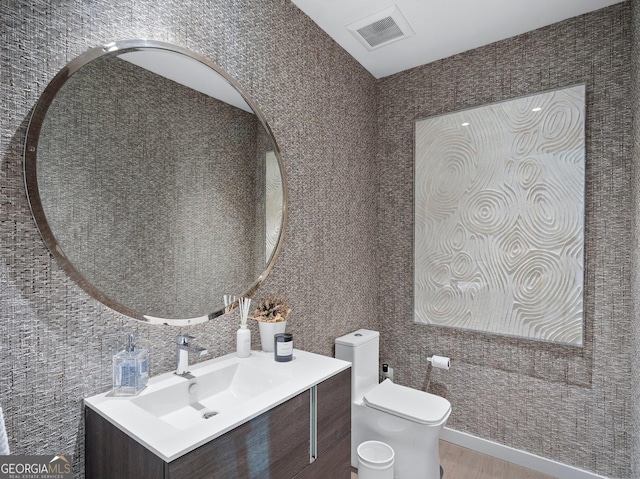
{"points": [[243, 336]]}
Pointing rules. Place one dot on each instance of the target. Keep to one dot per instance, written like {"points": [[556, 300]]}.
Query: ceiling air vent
{"points": [[381, 28], [380, 32]]}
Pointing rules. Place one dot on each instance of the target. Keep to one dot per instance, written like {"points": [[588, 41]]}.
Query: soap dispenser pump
{"points": [[130, 370]]}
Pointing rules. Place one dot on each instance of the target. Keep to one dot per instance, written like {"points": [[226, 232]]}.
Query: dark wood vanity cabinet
{"points": [[277, 444], [333, 430]]}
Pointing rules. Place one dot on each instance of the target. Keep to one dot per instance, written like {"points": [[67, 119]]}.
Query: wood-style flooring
{"points": [[462, 463]]}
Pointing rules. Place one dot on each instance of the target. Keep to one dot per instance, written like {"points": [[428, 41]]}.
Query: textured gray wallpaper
{"points": [[635, 256], [57, 342], [565, 403]]}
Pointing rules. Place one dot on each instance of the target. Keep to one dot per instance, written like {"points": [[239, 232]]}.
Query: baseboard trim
{"points": [[516, 456]]}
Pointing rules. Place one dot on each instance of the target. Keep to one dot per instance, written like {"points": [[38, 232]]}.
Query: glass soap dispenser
{"points": [[130, 370]]}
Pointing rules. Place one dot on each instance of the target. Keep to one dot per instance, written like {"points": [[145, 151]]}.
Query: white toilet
{"points": [[408, 420]]}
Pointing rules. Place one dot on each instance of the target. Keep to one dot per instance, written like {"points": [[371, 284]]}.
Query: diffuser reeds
{"points": [[243, 307]]}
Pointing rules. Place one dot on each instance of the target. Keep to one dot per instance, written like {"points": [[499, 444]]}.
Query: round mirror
{"points": [[155, 181]]}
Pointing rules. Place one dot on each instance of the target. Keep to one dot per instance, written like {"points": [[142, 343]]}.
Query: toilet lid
{"points": [[408, 403]]}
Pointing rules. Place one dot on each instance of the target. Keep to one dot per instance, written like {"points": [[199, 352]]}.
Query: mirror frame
{"points": [[33, 193]]}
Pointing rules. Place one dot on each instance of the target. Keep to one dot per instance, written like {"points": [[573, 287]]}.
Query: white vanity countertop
{"points": [[170, 442]]}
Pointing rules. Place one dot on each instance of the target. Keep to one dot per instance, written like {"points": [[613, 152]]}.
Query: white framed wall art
{"points": [[499, 217]]}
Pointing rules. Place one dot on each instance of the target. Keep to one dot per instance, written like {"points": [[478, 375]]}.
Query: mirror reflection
{"points": [[158, 187]]}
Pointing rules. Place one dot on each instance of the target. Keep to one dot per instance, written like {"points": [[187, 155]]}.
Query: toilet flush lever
{"points": [[387, 372]]}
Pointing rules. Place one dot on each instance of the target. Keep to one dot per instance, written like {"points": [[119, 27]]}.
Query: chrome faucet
{"points": [[184, 348]]}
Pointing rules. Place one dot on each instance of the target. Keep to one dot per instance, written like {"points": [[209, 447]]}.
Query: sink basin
{"points": [[174, 415], [208, 394]]}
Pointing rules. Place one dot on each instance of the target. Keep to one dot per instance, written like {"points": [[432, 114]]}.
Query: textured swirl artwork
{"points": [[499, 217]]}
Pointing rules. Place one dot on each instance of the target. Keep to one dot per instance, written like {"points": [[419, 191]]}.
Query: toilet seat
{"points": [[408, 403]]}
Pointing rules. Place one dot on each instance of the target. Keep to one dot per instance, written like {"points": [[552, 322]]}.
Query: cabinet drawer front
{"points": [[335, 463], [110, 453], [334, 410], [267, 446]]}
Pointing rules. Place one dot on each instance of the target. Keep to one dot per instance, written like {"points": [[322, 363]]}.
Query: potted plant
{"points": [[271, 314]]}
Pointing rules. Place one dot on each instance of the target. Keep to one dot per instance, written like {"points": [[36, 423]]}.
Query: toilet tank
{"points": [[361, 348]]}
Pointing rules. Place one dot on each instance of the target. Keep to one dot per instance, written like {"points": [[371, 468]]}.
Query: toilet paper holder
{"points": [[441, 362]]}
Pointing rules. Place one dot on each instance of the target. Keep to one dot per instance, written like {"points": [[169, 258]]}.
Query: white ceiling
{"points": [[442, 28]]}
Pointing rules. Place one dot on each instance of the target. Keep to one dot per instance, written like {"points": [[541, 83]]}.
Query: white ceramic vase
{"points": [[267, 331]]}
